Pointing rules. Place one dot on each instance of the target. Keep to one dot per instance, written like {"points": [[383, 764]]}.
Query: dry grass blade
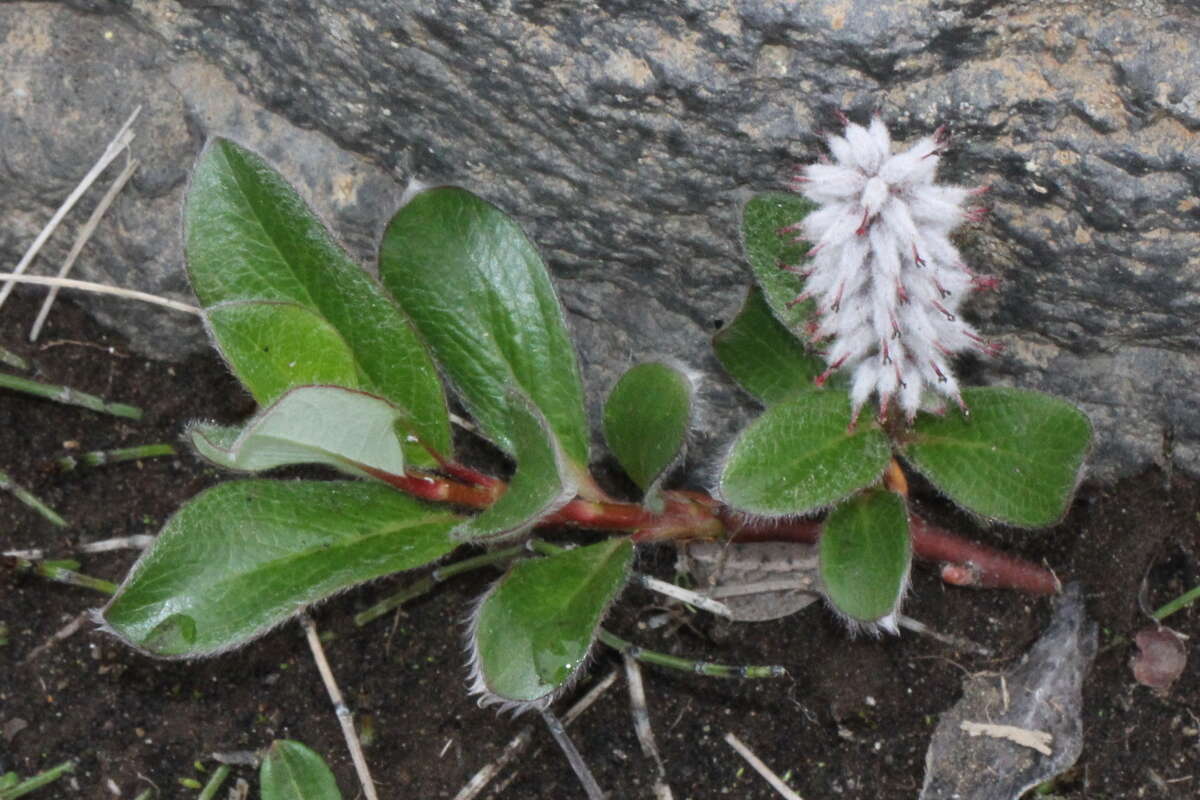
{"points": [[762, 769], [119, 142], [100, 288], [85, 233], [339, 706], [641, 725], [484, 776]]}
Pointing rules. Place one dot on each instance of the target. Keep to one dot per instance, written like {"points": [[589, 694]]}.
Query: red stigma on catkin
{"points": [[920, 262], [976, 214], [992, 349], [865, 225], [984, 282], [799, 299], [883, 349], [949, 317], [834, 367], [940, 289], [941, 376]]}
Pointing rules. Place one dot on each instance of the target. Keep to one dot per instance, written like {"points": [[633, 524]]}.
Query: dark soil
{"points": [[853, 719]]}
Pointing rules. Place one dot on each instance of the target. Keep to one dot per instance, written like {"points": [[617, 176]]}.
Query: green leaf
{"points": [[292, 771], [481, 296], [763, 356], [1016, 458], [766, 249], [536, 489], [342, 428], [249, 237], [245, 556], [865, 555], [532, 632], [274, 346], [802, 455], [646, 421]]}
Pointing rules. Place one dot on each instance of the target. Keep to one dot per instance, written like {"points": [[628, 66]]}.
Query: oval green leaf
{"points": [[865, 556], [274, 346], [331, 425], [245, 556], [767, 249], [532, 632], [537, 487], [763, 356], [481, 296], [1017, 457], [802, 455], [292, 771], [249, 236], [646, 420]]}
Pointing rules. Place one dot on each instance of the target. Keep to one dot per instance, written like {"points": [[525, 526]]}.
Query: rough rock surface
{"points": [[625, 136]]}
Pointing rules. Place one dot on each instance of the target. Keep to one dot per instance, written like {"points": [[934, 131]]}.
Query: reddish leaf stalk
{"points": [[693, 515]]}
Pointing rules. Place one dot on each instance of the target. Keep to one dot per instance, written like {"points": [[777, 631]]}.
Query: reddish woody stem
{"points": [[694, 515], [964, 563]]}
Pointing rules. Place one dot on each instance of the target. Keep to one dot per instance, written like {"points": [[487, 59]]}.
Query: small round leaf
{"points": [[1017, 457], [865, 555], [802, 455]]}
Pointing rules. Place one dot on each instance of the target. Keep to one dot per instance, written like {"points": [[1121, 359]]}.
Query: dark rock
{"points": [[625, 137]]}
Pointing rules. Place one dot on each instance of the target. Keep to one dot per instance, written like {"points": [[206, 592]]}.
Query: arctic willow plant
{"points": [[347, 373]]}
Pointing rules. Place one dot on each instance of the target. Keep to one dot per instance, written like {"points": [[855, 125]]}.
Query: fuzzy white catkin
{"points": [[886, 279]]}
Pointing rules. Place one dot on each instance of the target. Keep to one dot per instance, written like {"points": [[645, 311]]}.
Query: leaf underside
{"points": [[250, 238], [330, 425]]}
